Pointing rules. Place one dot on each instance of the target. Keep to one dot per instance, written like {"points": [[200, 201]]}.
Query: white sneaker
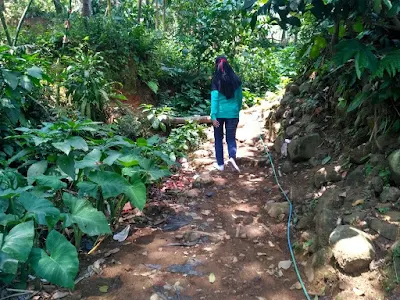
{"points": [[233, 162], [218, 167]]}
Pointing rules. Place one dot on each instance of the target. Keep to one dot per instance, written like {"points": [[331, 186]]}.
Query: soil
{"points": [[246, 245]]}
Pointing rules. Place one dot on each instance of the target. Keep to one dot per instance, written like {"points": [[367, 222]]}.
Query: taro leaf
{"points": [[87, 189], [91, 160], [78, 143], [90, 220], [7, 218], [63, 146], [42, 209], [26, 83], [61, 266], [67, 165], [113, 184], [153, 171], [141, 142], [9, 193], [112, 157], [50, 181], [4, 204], [36, 169], [35, 72], [130, 160], [8, 265], [11, 78], [19, 241]]}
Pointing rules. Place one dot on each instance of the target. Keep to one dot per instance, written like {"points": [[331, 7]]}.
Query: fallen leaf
{"points": [[358, 202], [284, 264], [326, 160], [103, 288], [123, 235], [261, 254], [211, 278], [59, 295]]}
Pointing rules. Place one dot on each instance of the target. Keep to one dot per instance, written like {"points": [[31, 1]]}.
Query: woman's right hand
{"points": [[216, 123]]}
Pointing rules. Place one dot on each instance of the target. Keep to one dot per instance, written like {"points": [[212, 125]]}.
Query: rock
{"points": [[390, 194], [276, 209], [394, 165], [385, 229], [278, 143], [247, 220], [325, 217], [327, 174], [304, 148], [305, 87], [294, 89], [314, 161], [285, 264], [287, 167], [377, 184], [387, 143], [359, 155], [305, 222], [193, 193], [279, 112], [352, 249], [292, 130], [312, 127], [297, 112], [287, 100], [377, 160], [356, 177], [354, 217], [201, 154], [205, 179]]}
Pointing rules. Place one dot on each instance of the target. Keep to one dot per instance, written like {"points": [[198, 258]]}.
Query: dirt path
{"points": [[230, 235]]}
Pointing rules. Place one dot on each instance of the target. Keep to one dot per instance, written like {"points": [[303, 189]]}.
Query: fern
{"points": [[390, 64]]}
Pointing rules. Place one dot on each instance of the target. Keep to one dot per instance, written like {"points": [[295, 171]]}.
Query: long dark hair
{"points": [[225, 80]]}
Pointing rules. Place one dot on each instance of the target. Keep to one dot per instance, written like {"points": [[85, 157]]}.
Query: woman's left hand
{"points": [[216, 123]]}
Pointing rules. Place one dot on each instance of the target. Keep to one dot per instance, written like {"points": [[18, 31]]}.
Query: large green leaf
{"points": [[7, 218], [113, 184], [67, 165], [61, 266], [11, 78], [90, 220], [42, 209], [112, 157], [50, 181], [154, 172], [130, 160], [78, 143], [63, 146], [36, 169], [19, 241], [91, 160], [87, 188], [35, 72], [8, 265]]}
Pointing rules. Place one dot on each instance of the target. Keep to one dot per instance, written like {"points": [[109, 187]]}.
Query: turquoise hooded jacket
{"points": [[222, 108]]}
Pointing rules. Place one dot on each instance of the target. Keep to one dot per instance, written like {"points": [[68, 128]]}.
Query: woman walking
{"points": [[226, 103]]}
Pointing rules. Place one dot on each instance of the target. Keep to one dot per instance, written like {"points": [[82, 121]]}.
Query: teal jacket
{"points": [[226, 108]]}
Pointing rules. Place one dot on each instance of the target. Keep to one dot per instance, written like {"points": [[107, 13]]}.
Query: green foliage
{"points": [[185, 138]]}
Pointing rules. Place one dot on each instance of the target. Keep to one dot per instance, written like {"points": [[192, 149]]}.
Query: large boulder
{"points": [[277, 209], [360, 154], [394, 165], [304, 148], [292, 130], [352, 249]]}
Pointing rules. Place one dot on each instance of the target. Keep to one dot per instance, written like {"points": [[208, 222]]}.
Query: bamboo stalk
{"points": [[21, 21]]}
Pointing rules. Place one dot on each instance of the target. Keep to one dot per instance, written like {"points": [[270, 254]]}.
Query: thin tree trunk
{"points": [[109, 7], [139, 14], [4, 23], [21, 21], [164, 15], [58, 6], [86, 8], [156, 15]]}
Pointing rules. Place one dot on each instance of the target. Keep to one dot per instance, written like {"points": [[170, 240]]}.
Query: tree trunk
{"points": [[164, 15], [58, 6], [4, 23], [139, 14], [21, 21], [109, 7], [156, 15], [86, 8]]}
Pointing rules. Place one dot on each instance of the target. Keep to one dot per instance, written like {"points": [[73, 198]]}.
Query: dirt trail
{"points": [[230, 235]]}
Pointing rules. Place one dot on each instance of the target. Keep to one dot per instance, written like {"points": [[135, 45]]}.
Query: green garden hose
{"points": [[289, 221]]}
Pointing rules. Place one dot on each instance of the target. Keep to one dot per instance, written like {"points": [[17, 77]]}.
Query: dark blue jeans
{"points": [[230, 128]]}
